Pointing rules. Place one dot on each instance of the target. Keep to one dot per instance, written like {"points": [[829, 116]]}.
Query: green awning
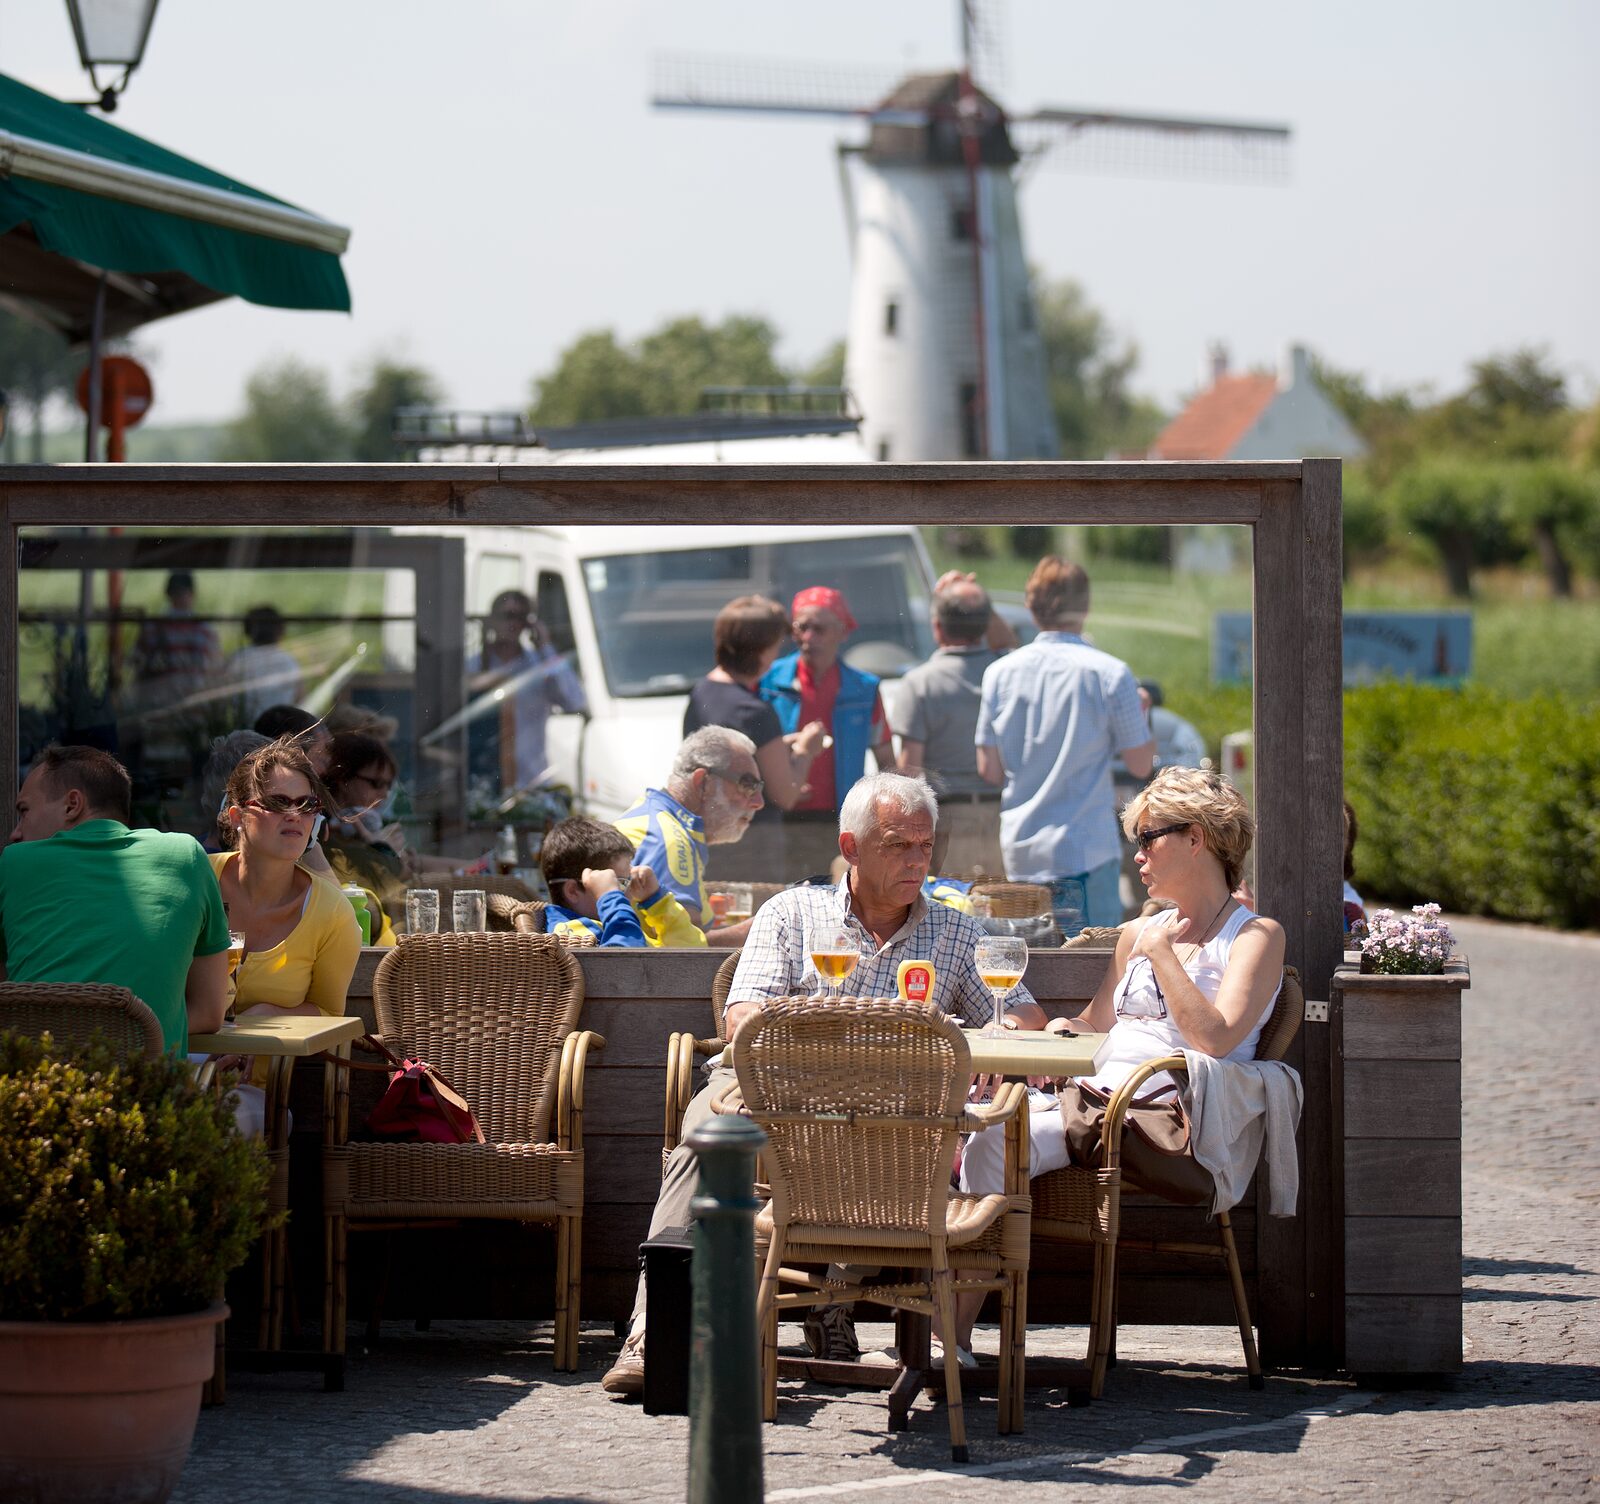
{"points": [[171, 233]]}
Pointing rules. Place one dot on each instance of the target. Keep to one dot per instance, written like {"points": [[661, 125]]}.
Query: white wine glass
{"points": [[1001, 960], [834, 953]]}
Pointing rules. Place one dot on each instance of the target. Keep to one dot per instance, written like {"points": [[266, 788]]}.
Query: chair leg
{"points": [[558, 1345], [1008, 1329], [1105, 1316], [1019, 1354], [1241, 1307], [945, 1302], [574, 1288], [380, 1293], [767, 1324], [335, 1299]]}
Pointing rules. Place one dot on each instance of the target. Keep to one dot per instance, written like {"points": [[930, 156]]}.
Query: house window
{"points": [[971, 448], [891, 317], [883, 449], [961, 224]]}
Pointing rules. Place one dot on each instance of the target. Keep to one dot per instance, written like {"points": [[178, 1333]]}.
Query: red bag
{"points": [[419, 1106]]}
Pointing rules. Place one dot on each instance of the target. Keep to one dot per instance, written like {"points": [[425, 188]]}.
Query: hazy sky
{"points": [[508, 186]]}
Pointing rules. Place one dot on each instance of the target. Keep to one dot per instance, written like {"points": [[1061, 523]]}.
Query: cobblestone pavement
{"points": [[471, 1410]]}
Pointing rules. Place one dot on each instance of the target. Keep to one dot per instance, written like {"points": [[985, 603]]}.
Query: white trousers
{"points": [[984, 1159]]}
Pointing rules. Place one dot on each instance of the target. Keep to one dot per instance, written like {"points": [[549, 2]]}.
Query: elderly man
{"points": [[85, 899], [814, 684], [936, 719], [1051, 717], [710, 799], [886, 838]]}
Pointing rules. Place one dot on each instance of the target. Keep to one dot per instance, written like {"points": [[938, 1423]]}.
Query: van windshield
{"points": [[653, 612]]}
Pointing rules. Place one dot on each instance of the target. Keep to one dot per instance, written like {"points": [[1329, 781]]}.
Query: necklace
{"points": [[1199, 944]]}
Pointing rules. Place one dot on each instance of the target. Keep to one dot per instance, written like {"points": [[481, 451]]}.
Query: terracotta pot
{"points": [[101, 1412]]}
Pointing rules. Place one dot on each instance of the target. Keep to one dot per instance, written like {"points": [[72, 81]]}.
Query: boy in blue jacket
{"points": [[594, 886]]}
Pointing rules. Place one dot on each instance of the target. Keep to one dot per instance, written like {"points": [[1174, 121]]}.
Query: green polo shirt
{"points": [[102, 903]]}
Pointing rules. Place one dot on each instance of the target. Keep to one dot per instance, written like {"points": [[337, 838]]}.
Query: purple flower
{"points": [[1418, 943]]}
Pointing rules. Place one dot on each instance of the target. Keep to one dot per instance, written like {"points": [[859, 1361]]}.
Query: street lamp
{"points": [[111, 34]]}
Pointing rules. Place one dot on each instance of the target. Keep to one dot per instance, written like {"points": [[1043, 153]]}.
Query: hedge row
{"points": [[1480, 802]]}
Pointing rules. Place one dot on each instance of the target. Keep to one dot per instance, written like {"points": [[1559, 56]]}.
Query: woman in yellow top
{"points": [[301, 935]]}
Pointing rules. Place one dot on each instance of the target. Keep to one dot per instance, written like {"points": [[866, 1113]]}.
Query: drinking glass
{"points": [[235, 950], [422, 911], [834, 953], [738, 902], [470, 910], [1001, 960]]}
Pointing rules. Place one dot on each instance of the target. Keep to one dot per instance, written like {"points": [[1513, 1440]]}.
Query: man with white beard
{"points": [[710, 799]]}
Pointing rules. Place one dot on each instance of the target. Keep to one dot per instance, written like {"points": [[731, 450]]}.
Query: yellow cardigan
{"points": [[313, 963]]}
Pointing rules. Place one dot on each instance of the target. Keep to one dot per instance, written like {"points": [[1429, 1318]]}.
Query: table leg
{"points": [[335, 1130], [912, 1332], [275, 1246]]}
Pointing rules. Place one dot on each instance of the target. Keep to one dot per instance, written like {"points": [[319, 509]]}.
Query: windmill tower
{"points": [[943, 351]]}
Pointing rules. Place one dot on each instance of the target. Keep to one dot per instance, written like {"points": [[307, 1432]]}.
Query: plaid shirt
{"points": [[777, 956]]}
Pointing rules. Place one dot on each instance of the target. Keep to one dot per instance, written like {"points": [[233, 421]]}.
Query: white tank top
{"points": [[1145, 1030]]}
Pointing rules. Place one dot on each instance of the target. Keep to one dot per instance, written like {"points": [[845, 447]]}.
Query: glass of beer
{"points": [[834, 953], [1001, 960], [738, 909], [235, 951]]}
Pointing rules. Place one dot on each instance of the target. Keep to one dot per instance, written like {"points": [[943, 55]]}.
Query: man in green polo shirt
{"points": [[85, 899]]}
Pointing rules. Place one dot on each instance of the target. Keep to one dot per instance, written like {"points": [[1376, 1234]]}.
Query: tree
{"points": [[36, 364], [1387, 421], [383, 387], [1550, 500], [663, 374], [289, 414], [1088, 372], [827, 369], [1458, 507]]}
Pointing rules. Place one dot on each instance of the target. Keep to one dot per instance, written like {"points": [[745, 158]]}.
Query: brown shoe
{"points": [[625, 1377]]}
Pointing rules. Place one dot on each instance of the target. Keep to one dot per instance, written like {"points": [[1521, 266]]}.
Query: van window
{"points": [[496, 572], [653, 612], [554, 611]]}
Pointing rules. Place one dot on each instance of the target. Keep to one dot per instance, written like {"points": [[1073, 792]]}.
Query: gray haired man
{"points": [[886, 836]]}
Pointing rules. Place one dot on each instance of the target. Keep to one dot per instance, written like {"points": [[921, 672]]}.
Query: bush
{"points": [[1480, 802], [125, 1190]]}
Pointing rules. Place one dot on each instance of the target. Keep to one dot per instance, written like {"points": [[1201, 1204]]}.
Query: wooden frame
{"points": [[1292, 509]]}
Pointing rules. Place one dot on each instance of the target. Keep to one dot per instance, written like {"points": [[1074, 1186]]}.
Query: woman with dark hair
{"points": [[301, 935], [746, 637]]}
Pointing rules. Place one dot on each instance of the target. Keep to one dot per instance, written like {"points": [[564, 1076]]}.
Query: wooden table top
{"points": [[278, 1034], [1031, 1052]]}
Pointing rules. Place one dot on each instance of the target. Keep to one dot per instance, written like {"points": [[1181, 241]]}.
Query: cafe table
{"points": [[279, 1038]]}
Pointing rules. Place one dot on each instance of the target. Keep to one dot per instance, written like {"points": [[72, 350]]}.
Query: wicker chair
{"points": [[863, 1103], [497, 1015], [684, 1050], [1094, 937], [1014, 900], [1076, 1205], [73, 1013], [529, 919]]}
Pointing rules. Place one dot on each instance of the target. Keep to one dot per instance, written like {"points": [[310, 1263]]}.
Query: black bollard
{"points": [[724, 1361]]}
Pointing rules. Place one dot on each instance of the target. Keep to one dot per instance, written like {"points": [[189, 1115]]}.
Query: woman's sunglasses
{"points": [[1147, 838], [281, 804]]}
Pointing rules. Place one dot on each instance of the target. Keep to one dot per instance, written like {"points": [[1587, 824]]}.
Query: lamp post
{"points": [[111, 34]]}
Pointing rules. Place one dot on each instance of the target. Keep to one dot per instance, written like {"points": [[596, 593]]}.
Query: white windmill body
{"points": [[934, 325]]}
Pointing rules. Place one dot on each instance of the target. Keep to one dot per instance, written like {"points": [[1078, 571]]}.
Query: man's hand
{"points": [[643, 884]]}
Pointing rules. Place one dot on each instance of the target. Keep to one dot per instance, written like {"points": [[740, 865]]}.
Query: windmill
{"points": [[944, 352]]}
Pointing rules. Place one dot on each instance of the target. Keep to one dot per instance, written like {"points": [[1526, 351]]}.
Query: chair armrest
{"points": [[727, 1099], [569, 1091], [682, 1050], [1001, 1109], [1122, 1099]]}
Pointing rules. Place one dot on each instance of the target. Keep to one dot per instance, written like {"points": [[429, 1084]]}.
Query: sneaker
{"points": [[626, 1376], [964, 1357], [831, 1335]]}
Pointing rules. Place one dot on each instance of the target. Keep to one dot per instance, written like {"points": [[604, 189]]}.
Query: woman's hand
{"points": [[809, 740], [1155, 939]]}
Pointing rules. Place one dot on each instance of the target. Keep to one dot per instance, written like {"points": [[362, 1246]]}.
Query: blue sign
{"points": [[1429, 647]]}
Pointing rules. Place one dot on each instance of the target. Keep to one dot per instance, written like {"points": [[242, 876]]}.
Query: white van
{"points": [[634, 607]]}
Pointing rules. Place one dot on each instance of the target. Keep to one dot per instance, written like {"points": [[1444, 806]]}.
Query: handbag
{"points": [[419, 1105], [1157, 1155]]}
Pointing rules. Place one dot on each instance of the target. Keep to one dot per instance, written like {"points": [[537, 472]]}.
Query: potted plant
{"points": [[1406, 945], [126, 1196]]}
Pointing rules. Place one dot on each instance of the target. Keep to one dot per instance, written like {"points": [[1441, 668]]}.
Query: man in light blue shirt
{"points": [[1050, 718]]}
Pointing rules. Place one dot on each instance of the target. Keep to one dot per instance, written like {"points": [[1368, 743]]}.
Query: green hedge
{"points": [[1480, 802]]}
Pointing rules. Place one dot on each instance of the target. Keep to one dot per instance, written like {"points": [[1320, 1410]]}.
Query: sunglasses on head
{"points": [[1145, 839], [282, 804]]}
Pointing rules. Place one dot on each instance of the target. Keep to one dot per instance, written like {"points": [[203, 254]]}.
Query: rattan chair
{"points": [[685, 1050], [497, 1015], [73, 1013], [1094, 937], [1077, 1205], [863, 1103], [1014, 900]]}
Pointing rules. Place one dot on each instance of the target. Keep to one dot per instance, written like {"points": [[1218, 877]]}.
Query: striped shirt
{"points": [[776, 961]]}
